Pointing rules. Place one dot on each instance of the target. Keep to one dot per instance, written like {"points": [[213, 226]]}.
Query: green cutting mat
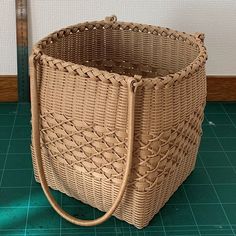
{"points": [[204, 205]]}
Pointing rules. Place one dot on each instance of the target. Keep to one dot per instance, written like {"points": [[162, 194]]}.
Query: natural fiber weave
{"points": [[88, 77]]}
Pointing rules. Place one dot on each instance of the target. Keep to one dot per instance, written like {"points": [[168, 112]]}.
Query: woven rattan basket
{"points": [[117, 109]]}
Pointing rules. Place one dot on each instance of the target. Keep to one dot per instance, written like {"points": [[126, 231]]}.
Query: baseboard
{"points": [[219, 88], [8, 88]]}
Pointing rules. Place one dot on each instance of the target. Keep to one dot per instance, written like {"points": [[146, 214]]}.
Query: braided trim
{"points": [[196, 40]]}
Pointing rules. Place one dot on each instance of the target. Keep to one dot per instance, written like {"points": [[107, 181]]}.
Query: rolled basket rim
{"points": [[112, 77]]}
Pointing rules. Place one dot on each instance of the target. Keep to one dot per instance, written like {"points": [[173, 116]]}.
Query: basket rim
{"points": [[196, 40]]}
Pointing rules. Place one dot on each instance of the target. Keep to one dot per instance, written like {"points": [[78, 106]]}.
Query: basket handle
{"points": [[132, 87]]}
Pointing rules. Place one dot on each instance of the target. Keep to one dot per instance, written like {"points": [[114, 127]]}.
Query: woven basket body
{"points": [[82, 74]]}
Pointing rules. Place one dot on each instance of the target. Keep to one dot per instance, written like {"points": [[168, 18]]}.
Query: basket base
{"points": [[137, 208]]}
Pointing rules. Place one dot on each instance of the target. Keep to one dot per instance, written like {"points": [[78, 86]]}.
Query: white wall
{"points": [[7, 37], [217, 18]]}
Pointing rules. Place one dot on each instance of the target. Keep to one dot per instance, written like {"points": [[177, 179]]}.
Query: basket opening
{"points": [[124, 51]]}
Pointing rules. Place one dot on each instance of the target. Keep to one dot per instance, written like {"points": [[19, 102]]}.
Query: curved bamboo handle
{"points": [[36, 144]]}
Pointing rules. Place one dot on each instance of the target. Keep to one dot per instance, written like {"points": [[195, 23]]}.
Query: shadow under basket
{"points": [[117, 110]]}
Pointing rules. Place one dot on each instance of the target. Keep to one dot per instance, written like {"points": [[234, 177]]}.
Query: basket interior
{"points": [[124, 51]]}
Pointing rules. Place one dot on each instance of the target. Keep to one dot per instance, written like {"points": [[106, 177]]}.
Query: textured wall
{"points": [[7, 37], [217, 18]]}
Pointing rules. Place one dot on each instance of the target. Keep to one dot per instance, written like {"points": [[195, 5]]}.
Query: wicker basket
{"points": [[116, 114]]}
